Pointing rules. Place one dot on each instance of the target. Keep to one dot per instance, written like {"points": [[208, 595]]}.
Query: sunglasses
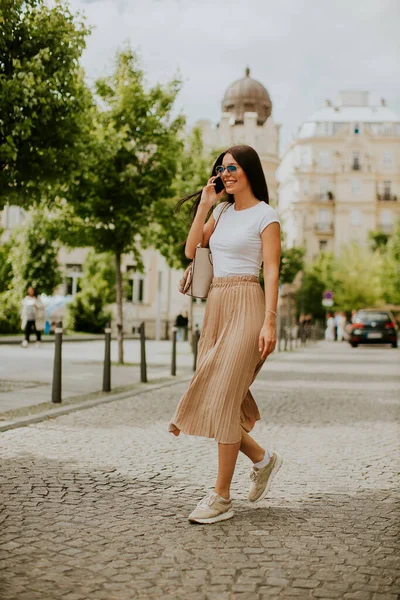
{"points": [[229, 168]]}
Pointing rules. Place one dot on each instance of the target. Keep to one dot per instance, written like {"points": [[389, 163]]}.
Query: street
{"points": [[95, 503]]}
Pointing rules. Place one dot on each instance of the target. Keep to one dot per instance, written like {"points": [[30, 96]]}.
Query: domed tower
{"points": [[246, 119], [247, 95]]}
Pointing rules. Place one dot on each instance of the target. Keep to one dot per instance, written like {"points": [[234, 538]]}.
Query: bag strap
{"points": [[227, 204]]}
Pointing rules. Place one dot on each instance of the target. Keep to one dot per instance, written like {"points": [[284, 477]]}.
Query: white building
{"points": [[340, 178]]}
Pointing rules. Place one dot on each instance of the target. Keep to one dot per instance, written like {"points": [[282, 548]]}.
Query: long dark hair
{"points": [[250, 162]]}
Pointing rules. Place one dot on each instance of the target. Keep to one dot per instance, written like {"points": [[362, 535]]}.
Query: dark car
{"points": [[373, 327]]}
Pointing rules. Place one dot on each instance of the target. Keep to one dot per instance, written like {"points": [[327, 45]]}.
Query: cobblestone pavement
{"points": [[95, 503]]}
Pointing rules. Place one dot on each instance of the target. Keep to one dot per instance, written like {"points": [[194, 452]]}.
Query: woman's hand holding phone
{"points": [[212, 192]]}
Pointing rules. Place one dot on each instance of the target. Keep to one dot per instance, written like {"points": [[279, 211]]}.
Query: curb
{"points": [[64, 410]]}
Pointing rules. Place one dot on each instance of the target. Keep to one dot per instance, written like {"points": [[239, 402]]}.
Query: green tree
{"points": [[34, 255], [42, 97], [317, 277], [168, 227], [378, 240], [5, 265], [131, 161], [87, 312], [358, 274], [391, 268], [292, 261]]}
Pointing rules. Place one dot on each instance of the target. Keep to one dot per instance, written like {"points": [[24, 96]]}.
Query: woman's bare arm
{"points": [[271, 244]]}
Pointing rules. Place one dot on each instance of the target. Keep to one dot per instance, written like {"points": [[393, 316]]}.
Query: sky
{"points": [[302, 51]]}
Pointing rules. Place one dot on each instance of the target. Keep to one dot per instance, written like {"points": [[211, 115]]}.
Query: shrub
{"points": [[10, 313]]}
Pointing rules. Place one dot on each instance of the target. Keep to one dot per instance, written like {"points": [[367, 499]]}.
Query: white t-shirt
{"points": [[236, 244]]}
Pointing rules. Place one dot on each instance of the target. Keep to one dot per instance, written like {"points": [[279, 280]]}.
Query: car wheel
{"points": [[353, 345], [394, 345]]}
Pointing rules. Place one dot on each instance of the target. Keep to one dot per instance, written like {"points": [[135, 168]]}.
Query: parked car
{"points": [[373, 326]]}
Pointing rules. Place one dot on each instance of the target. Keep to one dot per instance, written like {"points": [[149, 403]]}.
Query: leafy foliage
{"points": [[5, 266], [169, 228], [87, 312], [10, 312], [130, 163], [292, 261], [34, 255], [43, 97], [358, 274], [378, 240], [391, 268]]}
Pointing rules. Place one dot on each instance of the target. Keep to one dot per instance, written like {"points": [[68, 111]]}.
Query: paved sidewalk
{"points": [[95, 503], [26, 374]]}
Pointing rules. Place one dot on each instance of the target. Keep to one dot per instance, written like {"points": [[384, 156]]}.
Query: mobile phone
{"points": [[219, 185]]}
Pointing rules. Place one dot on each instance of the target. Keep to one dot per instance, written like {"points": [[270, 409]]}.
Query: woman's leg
{"points": [[28, 329], [227, 456], [250, 448]]}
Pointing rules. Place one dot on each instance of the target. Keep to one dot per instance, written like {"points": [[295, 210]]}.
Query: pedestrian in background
{"points": [[181, 323], [341, 330], [239, 327], [330, 328], [336, 325], [33, 316]]}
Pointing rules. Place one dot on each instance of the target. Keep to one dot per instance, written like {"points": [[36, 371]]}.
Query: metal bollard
{"points": [[56, 388], [173, 362], [107, 359], [196, 345], [143, 364]]}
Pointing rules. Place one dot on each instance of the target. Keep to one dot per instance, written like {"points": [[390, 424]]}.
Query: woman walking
{"points": [[33, 317], [239, 328]]}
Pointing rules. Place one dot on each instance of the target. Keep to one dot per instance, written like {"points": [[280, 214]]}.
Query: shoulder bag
{"points": [[196, 280]]}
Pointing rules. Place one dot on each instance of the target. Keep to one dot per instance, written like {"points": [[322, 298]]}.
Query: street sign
{"points": [[327, 302], [327, 295]]}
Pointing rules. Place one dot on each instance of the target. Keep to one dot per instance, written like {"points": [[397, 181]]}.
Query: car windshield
{"points": [[367, 317]]}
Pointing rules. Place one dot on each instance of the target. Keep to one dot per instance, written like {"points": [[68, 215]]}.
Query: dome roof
{"points": [[247, 95]]}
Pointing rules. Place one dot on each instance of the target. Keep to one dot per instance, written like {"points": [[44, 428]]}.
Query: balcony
{"points": [[326, 197], [356, 165], [324, 228], [386, 197]]}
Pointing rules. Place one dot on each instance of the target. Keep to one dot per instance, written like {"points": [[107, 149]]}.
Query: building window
{"points": [[324, 158], [387, 190], [356, 161], [136, 285], [324, 218], [15, 215], [305, 156], [355, 217], [74, 273], [386, 221], [323, 244], [387, 129], [355, 186], [387, 158]]}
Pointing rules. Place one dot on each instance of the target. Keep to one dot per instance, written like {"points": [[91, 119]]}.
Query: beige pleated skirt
{"points": [[218, 402]]}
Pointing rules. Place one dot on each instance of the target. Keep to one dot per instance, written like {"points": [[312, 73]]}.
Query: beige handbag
{"points": [[196, 280]]}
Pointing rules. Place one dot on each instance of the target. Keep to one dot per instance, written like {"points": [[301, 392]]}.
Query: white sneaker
{"points": [[211, 509], [24, 344], [261, 479]]}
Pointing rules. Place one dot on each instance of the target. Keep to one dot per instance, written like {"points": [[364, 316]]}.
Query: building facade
{"points": [[340, 177]]}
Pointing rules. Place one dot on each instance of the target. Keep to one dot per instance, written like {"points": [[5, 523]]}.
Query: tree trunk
{"points": [[120, 316]]}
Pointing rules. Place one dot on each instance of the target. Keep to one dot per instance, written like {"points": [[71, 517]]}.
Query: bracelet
{"points": [[271, 311]]}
